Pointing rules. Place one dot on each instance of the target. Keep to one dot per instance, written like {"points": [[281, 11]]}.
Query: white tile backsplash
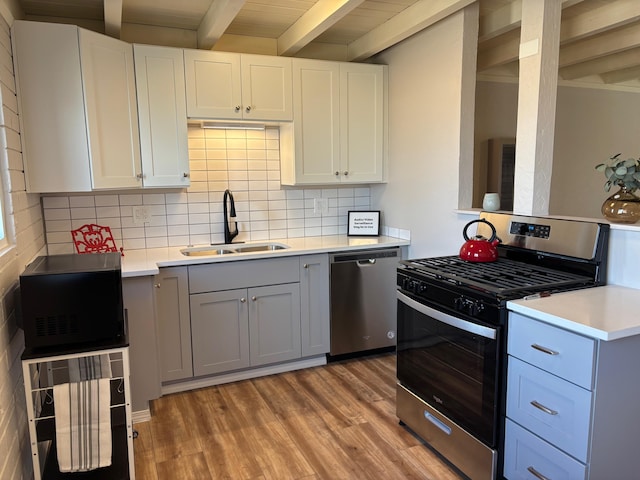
{"points": [[245, 161]]}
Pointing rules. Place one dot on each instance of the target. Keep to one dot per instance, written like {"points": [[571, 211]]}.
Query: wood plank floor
{"points": [[332, 422]]}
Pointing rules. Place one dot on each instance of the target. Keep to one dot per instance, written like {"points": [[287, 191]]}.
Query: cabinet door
{"points": [[145, 374], [361, 122], [317, 127], [213, 84], [274, 323], [162, 112], [266, 88], [314, 304], [108, 81], [219, 331], [174, 326], [49, 81]]}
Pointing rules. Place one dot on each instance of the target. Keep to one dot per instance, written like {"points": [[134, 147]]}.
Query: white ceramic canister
{"points": [[491, 202]]}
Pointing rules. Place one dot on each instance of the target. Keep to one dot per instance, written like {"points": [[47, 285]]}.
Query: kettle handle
{"points": [[480, 220]]}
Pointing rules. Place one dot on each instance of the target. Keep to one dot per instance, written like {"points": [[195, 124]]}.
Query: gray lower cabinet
{"points": [[138, 295], [314, 304], [220, 331], [173, 323]]}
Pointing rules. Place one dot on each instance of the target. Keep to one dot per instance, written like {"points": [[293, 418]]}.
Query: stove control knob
{"points": [[475, 308], [422, 288], [459, 303]]}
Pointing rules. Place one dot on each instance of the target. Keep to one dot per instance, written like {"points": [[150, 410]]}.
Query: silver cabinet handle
{"points": [[185, 175], [337, 174], [306, 265], [253, 298], [539, 406], [537, 474], [438, 423], [248, 109], [346, 173], [238, 107], [243, 300], [542, 349], [157, 285], [139, 176]]}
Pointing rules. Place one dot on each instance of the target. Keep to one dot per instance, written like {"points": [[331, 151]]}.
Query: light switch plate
{"points": [[141, 215]]}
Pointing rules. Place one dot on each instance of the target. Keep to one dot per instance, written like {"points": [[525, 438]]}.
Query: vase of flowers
{"points": [[623, 206]]}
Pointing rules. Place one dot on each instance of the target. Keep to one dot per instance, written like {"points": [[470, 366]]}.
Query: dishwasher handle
{"points": [[365, 258]]}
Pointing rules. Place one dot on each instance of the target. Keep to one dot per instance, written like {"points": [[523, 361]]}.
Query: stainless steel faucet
{"points": [[228, 234]]}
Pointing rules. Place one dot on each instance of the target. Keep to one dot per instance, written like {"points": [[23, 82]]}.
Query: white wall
{"points": [[425, 82], [591, 126], [25, 225]]}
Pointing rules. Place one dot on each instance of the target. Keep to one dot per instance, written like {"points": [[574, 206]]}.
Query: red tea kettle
{"points": [[478, 248]]}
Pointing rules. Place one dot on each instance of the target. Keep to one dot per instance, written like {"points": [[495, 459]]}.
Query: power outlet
{"points": [[141, 215], [321, 205]]}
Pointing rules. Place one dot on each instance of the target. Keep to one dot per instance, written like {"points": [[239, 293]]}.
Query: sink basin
{"points": [[211, 250], [205, 251], [264, 247]]}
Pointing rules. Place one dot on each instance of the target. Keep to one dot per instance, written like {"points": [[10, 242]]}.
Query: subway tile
{"points": [[82, 201], [157, 209], [238, 164], [256, 164], [194, 131], [346, 202], [259, 205], [55, 202], [176, 197], [240, 185], [217, 217], [198, 197], [176, 230], [280, 205], [312, 222], [273, 175], [196, 143], [197, 166], [157, 242], [153, 199], [277, 234], [132, 232], [178, 240], [131, 199], [295, 222], [258, 195], [273, 144], [273, 185], [111, 222], [199, 239], [329, 221], [259, 225], [107, 201], [257, 175], [237, 155], [277, 195], [312, 193], [198, 218], [277, 224], [215, 143], [133, 244], [255, 134], [155, 232], [329, 192], [236, 133], [295, 232], [362, 191], [217, 187], [102, 212], [295, 213], [196, 156], [198, 187], [238, 175], [198, 208], [88, 213], [256, 215], [199, 229], [257, 155], [331, 230], [59, 237], [214, 165], [312, 231], [57, 214], [178, 220], [214, 133], [177, 208], [256, 144], [218, 175], [216, 155]]}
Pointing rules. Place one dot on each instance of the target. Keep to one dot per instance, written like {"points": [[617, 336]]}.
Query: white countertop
{"points": [[605, 313], [137, 263]]}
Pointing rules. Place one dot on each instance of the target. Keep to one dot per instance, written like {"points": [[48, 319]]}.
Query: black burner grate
{"points": [[504, 276]]}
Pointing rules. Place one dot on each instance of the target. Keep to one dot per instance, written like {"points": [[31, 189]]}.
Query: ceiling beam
{"points": [[605, 44], [500, 21], [217, 19], [113, 17], [320, 17], [591, 22], [609, 16], [632, 73], [609, 63], [411, 20]]}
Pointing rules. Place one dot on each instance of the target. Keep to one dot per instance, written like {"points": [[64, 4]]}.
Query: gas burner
{"points": [[503, 277]]}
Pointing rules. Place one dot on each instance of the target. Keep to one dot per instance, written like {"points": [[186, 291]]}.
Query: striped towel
{"points": [[83, 425], [89, 368]]}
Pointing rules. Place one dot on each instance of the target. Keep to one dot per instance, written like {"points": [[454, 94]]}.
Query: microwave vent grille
{"points": [[56, 325]]}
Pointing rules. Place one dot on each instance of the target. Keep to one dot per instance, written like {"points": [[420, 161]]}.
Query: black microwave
{"points": [[69, 300]]}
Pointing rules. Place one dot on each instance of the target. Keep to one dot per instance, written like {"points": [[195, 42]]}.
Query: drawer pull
{"points": [[438, 423], [537, 474], [546, 350], [539, 406]]}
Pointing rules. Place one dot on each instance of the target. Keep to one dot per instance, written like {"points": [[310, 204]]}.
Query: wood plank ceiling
{"points": [[600, 39]]}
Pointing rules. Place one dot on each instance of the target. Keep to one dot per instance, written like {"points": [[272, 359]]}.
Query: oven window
{"points": [[453, 370]]}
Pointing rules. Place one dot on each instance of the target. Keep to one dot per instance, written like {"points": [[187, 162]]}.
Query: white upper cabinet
{"points": [[339, 129], [162, 112], [77, 104], [231, 86]]}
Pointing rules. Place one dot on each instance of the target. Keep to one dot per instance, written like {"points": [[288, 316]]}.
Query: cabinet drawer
{"points": [[243, 274], [563, 353], [554, 409], [525, 453]]}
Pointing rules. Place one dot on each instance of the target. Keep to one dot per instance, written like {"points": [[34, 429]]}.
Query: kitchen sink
{"points": [[229, 249], [205, 251], [261, 248]]}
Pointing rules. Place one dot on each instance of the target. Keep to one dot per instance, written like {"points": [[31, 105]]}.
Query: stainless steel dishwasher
{"points": [[363, 300]]}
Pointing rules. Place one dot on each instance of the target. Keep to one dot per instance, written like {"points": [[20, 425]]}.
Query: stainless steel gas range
{"points": [[452, 320]]}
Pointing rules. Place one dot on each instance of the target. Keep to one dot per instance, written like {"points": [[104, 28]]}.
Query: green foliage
{"points": [[624, 173]]}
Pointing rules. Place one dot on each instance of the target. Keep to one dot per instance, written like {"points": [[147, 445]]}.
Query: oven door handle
{"points": [[456, 322]]}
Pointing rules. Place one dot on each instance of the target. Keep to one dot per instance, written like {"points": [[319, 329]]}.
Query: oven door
{"points": [[451, 363]]}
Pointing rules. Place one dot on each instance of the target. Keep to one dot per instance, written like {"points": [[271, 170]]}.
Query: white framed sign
{"points": [[364, 223]]}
